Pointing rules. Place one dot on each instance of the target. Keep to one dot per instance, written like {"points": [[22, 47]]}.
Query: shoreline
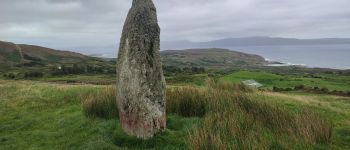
{"points": [[274, 63]]}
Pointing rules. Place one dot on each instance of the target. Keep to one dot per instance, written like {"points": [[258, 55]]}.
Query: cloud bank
{"points": [[96, 25]]}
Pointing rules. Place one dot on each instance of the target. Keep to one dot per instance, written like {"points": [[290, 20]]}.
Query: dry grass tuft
{"points": [[101, 104], [236, 117], [312, 128], [186, 101]]}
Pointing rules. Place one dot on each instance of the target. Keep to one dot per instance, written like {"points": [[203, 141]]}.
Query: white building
{"points": [[252, 83]]}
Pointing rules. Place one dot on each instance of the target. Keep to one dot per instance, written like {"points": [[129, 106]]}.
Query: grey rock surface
{"points": [[140, 80]]}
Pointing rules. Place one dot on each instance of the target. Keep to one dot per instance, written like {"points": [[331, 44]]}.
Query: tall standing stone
{"points": [[140, 80]]}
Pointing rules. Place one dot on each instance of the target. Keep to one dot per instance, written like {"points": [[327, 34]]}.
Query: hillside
{"points": [[8, 54], [29, 55], [22, 58], [262, 41], [254, 41], [210, 58], [20, 55]]}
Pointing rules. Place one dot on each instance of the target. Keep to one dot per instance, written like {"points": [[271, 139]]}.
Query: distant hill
{"points": [[210, 58], [253, 41], [12, 54], [26, 57]]}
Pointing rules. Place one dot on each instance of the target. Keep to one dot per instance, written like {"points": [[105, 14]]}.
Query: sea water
{"points": [[323, 56]]}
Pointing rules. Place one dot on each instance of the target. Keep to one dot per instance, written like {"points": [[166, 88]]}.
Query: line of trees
{"points": [[26, 75], [33, 74], [9, 75], [81, 69]]}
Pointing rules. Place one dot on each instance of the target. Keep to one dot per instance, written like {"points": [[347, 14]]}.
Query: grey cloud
{"points": [[66, 24]]}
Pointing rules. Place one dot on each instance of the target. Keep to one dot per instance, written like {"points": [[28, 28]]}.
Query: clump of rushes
{"points": [[101, 104], [312, 128], [233, 117], [237, 117], [186, 101]]}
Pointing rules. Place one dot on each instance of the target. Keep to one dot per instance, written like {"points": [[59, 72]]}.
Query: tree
{"points": [[11, 76], [33, 74]]}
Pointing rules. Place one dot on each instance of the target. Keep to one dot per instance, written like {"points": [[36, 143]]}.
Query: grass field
{"points": [[87, 79], [40, 115], [331, 82], [335, 108]]}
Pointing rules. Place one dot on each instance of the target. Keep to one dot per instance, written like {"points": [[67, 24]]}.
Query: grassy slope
{"points": [[49, 116], [269, 80], [335, 108], [181, 80], [41, 59]]}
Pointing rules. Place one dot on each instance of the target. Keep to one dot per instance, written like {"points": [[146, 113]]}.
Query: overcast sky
{"points": [[74, 24]]}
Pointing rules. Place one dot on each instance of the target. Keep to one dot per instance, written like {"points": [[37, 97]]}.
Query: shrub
{"points": [[10, 75], [277, 89], [101, 104], [325, 90], [289, 89], [33, 74], [299, 87]]}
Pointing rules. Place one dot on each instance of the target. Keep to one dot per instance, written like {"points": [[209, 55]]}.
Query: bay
{"points": [[320, 56]]}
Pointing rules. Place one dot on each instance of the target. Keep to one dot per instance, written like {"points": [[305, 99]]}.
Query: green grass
{"points": [[92, 79], [335, 108], [15, 57], [179, 80], [331, 82], [238, 118], [196, 79], [101, 103], [39, 115]]}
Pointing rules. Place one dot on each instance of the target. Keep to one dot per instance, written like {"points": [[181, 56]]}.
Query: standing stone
{"points": [[140, 80]]}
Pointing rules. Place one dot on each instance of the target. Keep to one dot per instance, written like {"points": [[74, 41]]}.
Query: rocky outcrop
{"points": [[140, 80]]}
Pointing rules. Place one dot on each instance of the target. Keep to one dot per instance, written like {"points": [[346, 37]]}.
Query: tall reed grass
{"points": [[234, 117], [238, 117], [102, 103], [186, 101]]}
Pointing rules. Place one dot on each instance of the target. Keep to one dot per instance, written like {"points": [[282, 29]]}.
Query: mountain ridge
{"points": [[253, 41], [210, 58], [23, 55]]}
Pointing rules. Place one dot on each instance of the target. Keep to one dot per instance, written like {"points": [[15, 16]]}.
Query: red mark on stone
{"points": [[147, 125], [128, 121], [162, 122]]}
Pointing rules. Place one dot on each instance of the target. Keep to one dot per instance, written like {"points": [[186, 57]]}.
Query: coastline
{"points": [[273, 63]]}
